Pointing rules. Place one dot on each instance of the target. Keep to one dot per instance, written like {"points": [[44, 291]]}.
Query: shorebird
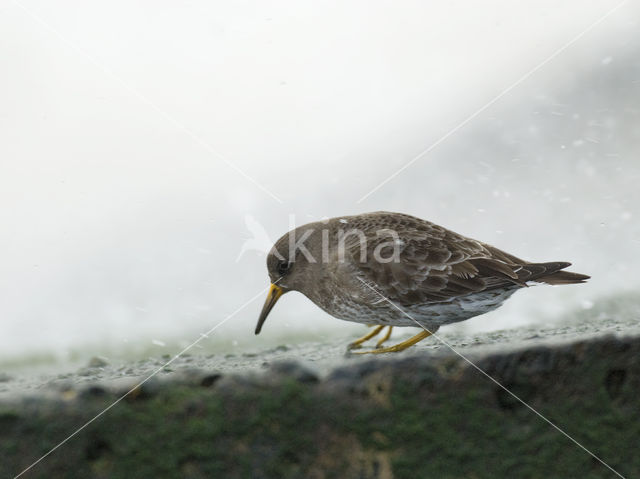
{"points": [[391, 269]]}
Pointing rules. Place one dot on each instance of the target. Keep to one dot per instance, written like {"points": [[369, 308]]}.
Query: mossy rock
{"points": [[411, 417]]}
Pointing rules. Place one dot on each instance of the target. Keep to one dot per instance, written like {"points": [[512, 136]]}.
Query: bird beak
{"points": [[274, 293]]}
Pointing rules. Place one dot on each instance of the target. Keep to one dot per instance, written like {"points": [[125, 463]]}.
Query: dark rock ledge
{"points": [[414, 416]]}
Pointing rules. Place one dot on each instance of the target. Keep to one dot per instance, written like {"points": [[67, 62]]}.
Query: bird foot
{"points": [[357, 344], [396, 348], [384, 338]]}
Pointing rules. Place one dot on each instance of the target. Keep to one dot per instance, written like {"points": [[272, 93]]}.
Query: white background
{"points": [[118, 226]]}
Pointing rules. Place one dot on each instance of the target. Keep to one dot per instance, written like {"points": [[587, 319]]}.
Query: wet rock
{"points": [[195, 377], [93, 391], [297, 370]]}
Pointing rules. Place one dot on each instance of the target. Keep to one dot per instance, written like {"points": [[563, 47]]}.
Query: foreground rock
{"points": [[423, 415]]}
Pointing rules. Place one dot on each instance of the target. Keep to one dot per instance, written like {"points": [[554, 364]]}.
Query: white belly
{"points": [[430, 315]]}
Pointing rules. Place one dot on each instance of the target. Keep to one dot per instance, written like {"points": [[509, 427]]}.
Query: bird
{"points": [[387, 270]]}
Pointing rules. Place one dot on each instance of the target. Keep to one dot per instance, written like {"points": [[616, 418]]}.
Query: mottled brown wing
{"points": [[435, 264]]}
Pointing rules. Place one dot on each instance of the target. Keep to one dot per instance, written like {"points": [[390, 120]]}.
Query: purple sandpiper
{"points": [[391, 269]]}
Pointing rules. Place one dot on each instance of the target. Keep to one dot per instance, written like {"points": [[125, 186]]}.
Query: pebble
{"points": [[97, 362]]}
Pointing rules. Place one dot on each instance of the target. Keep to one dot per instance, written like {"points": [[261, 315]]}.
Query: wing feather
{"points": [[435, 264]]}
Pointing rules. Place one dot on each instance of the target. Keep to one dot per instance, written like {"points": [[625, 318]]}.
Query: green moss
{"points": [[417, 422]]}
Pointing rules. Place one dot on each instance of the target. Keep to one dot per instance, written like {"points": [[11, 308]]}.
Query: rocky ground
{"points": [[309, 410]]}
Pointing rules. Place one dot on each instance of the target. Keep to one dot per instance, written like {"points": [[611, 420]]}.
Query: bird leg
{"points": [[356, 344], [400, 346], [384, 338]]}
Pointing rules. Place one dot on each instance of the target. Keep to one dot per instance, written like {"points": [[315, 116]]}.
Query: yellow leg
{"points": [[384, 338], [400, 346], [356, 344]]}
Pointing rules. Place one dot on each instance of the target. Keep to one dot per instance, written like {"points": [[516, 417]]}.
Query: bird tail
{"points": [[550, 273]]}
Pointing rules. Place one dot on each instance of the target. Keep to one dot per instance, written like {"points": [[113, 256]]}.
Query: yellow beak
{"points": [[274, 293]]}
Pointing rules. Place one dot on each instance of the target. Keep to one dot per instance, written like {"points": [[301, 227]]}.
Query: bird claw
{"points": [[396, 348]]}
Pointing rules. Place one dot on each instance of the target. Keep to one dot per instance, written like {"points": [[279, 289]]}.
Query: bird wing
{"points": [[433, 264]]}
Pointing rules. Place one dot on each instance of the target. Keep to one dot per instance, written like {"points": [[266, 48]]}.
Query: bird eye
{"points": [[283, 267]]}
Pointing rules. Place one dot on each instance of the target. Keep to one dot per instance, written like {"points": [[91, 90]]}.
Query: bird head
{"points": [[290, 263]]}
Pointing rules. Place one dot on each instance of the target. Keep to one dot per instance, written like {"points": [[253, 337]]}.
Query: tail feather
{"points": [[550, 273], [565, 277]]}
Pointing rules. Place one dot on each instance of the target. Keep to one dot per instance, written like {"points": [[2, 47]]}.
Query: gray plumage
{"points": [[440, 277]]}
